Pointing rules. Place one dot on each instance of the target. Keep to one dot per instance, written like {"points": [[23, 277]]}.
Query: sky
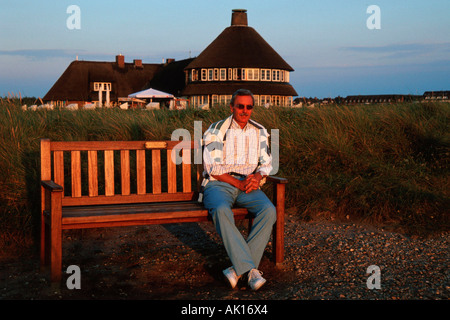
{"points": [[337, 48]]}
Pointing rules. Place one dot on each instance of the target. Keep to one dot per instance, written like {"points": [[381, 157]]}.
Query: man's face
{"points": [[241, 116]]}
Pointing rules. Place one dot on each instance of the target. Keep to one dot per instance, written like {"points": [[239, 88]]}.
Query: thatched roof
{"points": [[239, 46], [75, 83], [171, 78]]}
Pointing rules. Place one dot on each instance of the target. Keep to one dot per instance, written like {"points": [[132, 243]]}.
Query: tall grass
{"points": [[376, 163]]}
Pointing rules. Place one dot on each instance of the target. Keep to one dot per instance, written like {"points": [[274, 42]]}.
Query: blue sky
{"points": [[327, 42]]}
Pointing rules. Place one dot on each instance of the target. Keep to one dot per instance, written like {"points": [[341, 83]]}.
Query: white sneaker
{"points": [[232, 277], [255, 280]]}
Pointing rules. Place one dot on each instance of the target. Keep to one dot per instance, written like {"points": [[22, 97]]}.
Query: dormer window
{"points": [[102, 86]]}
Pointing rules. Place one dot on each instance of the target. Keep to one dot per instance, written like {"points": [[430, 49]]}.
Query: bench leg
{"points": [[278, 228], [44, 234], [45, 246], [56, 238]]}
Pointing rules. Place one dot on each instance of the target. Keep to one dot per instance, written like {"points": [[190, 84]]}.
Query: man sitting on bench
{"points": [[236, 162]]}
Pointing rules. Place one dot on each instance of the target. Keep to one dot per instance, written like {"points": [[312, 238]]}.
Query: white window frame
{"points": [[256, 97], [102, 86], [204, 74], [215, 99], [266, 74], [264, 99], [216, 74], [223, 74], [251, 75], [235, 74], [276, 75], [210, 74]]}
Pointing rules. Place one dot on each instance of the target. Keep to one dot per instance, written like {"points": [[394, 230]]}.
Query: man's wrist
{"points": [[261, 178]]}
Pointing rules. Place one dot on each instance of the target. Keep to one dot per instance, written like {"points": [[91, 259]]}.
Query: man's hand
{"points": [[250, 183]]}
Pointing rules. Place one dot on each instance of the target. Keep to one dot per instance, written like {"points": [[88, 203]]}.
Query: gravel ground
{"points": [[324, 260]]}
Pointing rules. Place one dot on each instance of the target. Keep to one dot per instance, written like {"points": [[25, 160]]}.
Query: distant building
{"points": [[239, 58], [105, 82], [381, 98], [436, 95]]}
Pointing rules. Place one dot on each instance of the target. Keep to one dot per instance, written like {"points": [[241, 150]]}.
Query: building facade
{"points": [[239, 58]]}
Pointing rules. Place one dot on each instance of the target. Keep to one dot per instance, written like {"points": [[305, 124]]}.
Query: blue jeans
{"points": [[219, 197]]}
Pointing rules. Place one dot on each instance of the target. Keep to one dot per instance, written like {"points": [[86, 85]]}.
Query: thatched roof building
{"points": [[239, 58], [96, 81]]}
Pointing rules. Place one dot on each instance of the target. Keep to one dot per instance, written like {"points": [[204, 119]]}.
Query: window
{"points": [[265, 100], [102, 86], [204, 75], [251, 74], [275, 75], [199, 100], [265, 75], [216, 74], [210, 74], [237, 74], [230, 74], [225, 100], [276, 100], [215, 100], [256, 97], [223, 74], [194, 75]]}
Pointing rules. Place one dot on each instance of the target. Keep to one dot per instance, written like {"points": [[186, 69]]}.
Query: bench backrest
{"points": [[108, 172]]}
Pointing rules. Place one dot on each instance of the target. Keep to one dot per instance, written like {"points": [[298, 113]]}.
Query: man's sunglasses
{"points": [[242, 106]]}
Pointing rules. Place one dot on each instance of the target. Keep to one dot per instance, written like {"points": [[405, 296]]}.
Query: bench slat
{"points": [[58, 168], [112, 145], [92, 173], [186, 169], [171, 173], [109, 172], [156, 171], [125, 171], [85, 217], [76, 173], [140, 171], [137, 198]]}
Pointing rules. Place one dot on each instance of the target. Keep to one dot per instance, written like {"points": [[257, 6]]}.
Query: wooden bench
{"points": [[92, 184]]}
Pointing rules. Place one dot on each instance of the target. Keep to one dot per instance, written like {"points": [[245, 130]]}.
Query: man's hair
{"points": [[242, 92]]}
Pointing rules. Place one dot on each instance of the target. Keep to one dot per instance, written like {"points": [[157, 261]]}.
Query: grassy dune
{"points": [[384, 164]]}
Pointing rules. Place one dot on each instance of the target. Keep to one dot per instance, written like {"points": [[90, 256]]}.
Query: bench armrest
{"points": [[277, 179], [50, 185]]}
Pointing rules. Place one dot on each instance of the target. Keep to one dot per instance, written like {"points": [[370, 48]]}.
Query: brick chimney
{"points": [[239, 17], [120, 60], [138, 63]]}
